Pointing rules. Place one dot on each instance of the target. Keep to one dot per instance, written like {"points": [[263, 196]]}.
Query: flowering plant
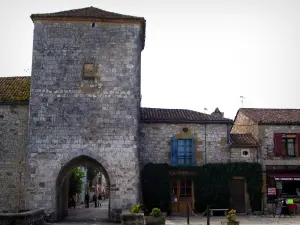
{"points": [[231, 216]]}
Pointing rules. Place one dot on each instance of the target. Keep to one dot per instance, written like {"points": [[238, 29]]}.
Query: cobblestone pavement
{"points": [[98, 216], [91, 214], [244, 220], [195, 220]]}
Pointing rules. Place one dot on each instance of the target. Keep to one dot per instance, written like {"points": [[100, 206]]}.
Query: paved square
{"points": [[195, 220]]}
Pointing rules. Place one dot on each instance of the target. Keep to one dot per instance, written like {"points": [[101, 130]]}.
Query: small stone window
{"points": [[89, 71], [185, 129]]}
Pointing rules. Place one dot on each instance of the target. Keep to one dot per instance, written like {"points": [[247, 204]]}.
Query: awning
{"points": [[286, 176]]}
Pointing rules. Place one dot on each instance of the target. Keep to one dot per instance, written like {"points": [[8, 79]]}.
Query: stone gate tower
{"points": [[84, 102]]}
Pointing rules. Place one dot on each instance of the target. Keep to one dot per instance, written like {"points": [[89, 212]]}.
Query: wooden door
{"points": [[182, 194], [238, 195]]}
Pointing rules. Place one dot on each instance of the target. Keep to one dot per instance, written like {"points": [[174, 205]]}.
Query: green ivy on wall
{"points": [[156, 187], [212, 184]]}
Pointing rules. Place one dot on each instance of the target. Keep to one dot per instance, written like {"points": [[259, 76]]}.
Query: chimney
{"points": [[218, 113]]}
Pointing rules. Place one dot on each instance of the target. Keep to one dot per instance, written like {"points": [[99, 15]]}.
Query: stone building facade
{"points": [[13, 142], [271, 128], [84, 101], [81, 106]]}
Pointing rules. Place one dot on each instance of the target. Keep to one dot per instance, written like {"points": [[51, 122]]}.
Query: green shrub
{"points": [[155, 212], [137, 208]]}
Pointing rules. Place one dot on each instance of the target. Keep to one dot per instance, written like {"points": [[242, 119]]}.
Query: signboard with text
{"points": [[288, 178], [271, 191]]}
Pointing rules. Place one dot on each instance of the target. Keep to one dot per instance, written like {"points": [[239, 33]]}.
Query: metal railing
{"points": [[190, 211]]}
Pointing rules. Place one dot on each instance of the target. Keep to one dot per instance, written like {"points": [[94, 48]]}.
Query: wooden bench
{"points": [[217, 210]]}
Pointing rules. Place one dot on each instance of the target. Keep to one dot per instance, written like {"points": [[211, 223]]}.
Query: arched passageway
{"points": [[62, 188]]}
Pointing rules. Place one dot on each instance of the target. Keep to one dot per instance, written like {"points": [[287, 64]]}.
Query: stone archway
{"points": [[62, 182]]}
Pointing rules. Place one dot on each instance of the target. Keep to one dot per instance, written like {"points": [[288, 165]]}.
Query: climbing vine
{"points": [[212, 184]]}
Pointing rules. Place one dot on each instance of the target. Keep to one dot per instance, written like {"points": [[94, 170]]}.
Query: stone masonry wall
{"points": [[236, 155], [266, 132], [70, 116], [156, 142], [244, 125], [13, 144]]}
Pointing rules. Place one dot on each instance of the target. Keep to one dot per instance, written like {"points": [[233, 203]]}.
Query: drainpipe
{"points": [[259, 149], [229, 141], [205, 143]]}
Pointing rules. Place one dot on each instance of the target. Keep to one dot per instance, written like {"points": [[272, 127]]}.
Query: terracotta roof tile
{"points": [[243, 140], [14, 88], [272, 116], [93, 13], [156, 115], [88, 12]]}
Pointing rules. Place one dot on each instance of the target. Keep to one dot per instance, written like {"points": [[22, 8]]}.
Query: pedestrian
{"points": [[73, 202], [99, 199], [95, 199], [87, 199]]}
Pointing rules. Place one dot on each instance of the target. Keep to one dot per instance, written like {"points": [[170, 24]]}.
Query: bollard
{"points": [[187, 214], [208, 214]]}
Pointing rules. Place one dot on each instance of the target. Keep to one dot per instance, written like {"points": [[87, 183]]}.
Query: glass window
{"points": [[184, 152], [185, 188], [289, 146]]}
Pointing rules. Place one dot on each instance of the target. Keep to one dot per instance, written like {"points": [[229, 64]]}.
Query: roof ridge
{"points": [[85, 12], [270, 108]]}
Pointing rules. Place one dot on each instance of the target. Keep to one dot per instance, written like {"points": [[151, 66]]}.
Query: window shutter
{"points": [[174, 152], [193, 153], [278, 144], [298, 145]]}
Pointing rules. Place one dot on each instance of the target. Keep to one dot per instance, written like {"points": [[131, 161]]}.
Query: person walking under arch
{"points": [[99, 199], [95, 199], [87, 199]]}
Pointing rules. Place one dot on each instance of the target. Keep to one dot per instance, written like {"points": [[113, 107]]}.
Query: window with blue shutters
{"points": [[183, 152]]}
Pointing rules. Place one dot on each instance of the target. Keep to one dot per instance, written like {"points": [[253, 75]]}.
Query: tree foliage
{"points": [[91, 174], [75, 180]]}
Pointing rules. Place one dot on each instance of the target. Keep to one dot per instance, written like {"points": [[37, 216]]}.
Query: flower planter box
{"points": [[230, 222], [151, 220], [133, 219]]}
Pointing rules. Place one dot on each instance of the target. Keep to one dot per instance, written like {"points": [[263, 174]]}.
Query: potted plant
{"points": [[155, 218], [231, 218], [136, 217]]}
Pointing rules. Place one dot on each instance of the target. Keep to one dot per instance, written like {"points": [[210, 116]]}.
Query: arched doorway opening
{"points": [[63, 187]]}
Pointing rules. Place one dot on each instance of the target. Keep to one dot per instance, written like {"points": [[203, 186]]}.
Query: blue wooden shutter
{"points": [[193, 153], [174, 151]]}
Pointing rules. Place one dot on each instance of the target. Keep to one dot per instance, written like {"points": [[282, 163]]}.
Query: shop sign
{"points": [[289, 135], [271, 191], [287, 178], [182, 173]]}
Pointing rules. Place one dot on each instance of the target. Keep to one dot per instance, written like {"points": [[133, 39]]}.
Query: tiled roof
{"points": [[88, 12], [155, 115], [272, 116], [243, 140], [14, 88]]}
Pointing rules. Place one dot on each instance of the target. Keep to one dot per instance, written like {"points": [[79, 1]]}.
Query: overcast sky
{"points": [[198, 54]]}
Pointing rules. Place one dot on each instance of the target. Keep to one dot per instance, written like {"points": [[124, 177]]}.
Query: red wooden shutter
{"points": [[298, 145], [278, 144]]}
